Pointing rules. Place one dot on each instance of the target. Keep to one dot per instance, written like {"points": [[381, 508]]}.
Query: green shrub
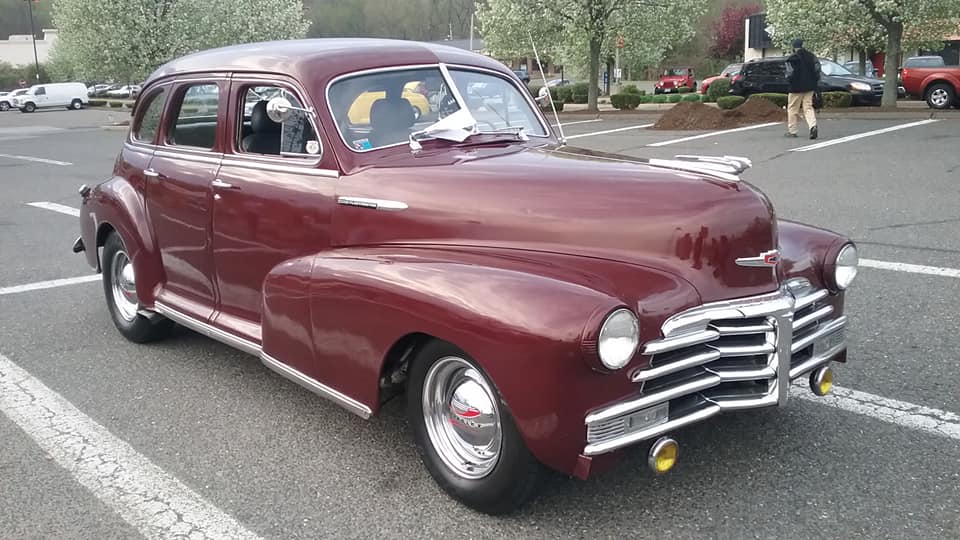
{"points": [[674, 98], [730, 102], [659, 98], [718, 88], [626, 101], [631, 89], [684, 90], [707, 98], [578, 98], [646, 99], [97, 103], [833, 100], [692, 98], [780, 100]]}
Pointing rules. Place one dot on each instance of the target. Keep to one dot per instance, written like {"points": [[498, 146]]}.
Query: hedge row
{"points": [[831, 100], [730, 102]]}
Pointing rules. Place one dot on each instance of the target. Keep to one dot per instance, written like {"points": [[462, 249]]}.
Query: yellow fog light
{"points": [[663, 455], [821, 381]]}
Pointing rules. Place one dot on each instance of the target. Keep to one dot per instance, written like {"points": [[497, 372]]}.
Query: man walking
{"points": [[804, 74]]}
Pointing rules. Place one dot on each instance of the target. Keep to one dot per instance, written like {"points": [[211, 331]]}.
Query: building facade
{"points": [[18, 49]]}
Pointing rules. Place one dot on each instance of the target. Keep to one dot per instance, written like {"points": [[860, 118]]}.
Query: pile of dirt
{"points": [[686, 115]]}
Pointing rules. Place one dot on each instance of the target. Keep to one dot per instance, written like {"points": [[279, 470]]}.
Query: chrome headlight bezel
{"points": [[618, 339], [841, 271]]}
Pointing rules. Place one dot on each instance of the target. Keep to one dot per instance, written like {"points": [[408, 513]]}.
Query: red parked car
{"points": [[541, 306], [674, 78], [728, 73], [928, 78]]}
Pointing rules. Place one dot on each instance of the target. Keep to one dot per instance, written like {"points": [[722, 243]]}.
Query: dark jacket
{"points": [[804, 71]]}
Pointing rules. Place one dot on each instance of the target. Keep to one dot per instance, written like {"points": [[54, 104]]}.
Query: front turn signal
{"points": [[821, 381], [663, 455]]}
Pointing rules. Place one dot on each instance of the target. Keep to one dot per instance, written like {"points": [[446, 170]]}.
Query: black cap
{"points": [[798, 43]]}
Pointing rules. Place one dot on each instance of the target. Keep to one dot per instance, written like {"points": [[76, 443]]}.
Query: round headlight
{"points": [[845, 268], [618, 340]]}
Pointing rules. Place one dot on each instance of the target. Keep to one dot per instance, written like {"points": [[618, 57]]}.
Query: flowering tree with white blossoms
{"points": [[584, 31], [866, 24], [125, 40]]}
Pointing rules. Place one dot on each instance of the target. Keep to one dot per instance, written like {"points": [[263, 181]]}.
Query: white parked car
{"points": [[6, 101], [45, 96]]}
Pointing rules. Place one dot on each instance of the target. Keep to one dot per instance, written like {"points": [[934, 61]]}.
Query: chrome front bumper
{"points": [[730, 355]]}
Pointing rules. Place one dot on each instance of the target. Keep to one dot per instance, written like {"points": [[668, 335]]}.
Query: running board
{"points": [[270, 362]]}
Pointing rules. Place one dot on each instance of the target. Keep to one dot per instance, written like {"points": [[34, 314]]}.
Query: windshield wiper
{"points": [[519, 132]]}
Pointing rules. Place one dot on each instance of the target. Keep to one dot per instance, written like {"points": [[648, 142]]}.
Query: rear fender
{"points": [[117, 205]]}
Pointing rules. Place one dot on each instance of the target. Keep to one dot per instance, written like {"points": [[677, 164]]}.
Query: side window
{"points": [[149, 124], [195, 123], [260, 134], [40, 91]]}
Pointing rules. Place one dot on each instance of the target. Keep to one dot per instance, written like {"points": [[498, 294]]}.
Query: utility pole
{"points": [[33, 38], [471, 32]]}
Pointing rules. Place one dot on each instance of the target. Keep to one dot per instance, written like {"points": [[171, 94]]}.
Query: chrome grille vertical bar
{"points": [[784, 324]]}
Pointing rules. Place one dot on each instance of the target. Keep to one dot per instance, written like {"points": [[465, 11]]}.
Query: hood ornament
{"points": [[767, 259]]}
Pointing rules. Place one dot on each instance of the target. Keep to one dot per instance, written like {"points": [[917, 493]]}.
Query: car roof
{"points": [[324, 58]]}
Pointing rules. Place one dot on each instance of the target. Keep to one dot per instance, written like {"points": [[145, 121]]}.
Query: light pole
{"points": [[33, 38]]}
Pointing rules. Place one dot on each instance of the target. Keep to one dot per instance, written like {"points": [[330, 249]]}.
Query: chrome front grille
{"points": [[730, 355]]}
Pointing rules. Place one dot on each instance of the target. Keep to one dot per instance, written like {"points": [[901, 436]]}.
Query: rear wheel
{"points": [[465, 435], [76, 104], [119, 285], [941, 96]]}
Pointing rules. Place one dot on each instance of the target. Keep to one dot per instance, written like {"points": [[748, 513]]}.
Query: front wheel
{"points": [[940, 96], [4, 106], [465, 435], [28, 108], [119, 285]]}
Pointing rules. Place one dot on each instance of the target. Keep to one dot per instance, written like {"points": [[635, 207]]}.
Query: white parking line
{"points": [[911, 268], [578, 122], [36, 159], [901, 413], [577, 136], [40, 285], [849, 138], [144, 495], [63, 209], [714, 134]]}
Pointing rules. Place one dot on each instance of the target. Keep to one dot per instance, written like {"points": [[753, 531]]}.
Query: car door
{"points": [[40, 97], [273, 200], [180, 197]]}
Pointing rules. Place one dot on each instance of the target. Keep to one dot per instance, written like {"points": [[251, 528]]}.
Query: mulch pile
{"points": [[686, 115]]}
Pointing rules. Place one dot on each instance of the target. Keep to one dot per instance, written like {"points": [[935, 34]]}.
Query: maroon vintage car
{"points": [[542, 306]]}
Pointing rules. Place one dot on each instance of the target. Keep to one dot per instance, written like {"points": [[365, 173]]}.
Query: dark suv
{"points": [[770, 75]]}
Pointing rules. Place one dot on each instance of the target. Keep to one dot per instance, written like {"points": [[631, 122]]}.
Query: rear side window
{"points": [[195, 123], [149, 124]]}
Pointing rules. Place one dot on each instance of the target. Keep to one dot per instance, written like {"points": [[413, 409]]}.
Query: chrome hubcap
{"points": [[462, 417], [124, 286], [939, 97]]}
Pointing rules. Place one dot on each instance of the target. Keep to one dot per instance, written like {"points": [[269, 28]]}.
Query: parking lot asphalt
{"points": [[284, 463]]}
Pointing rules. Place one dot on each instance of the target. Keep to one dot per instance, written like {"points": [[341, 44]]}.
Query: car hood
{"points": [[843, 79], [571, 201]]}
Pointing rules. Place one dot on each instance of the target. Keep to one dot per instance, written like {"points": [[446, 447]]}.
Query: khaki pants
{"points": [[795, 102]]}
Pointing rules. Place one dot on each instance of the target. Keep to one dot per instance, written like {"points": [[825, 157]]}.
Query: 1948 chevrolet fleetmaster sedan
{"points": [[541, 306]]}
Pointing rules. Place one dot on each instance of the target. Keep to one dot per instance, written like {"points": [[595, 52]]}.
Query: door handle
{"points": [[220, 184], [151, 173]]}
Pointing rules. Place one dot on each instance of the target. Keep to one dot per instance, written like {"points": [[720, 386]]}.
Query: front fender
{"points": [[804, 251], [116, 204], [522, 320]]}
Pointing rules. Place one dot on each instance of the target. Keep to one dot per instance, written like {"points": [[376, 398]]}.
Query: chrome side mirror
{"points": [[279, 109]]}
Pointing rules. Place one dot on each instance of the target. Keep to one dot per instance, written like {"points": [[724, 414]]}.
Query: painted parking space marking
{"points": [[865, 134], [604, 132], [892, 411], [36, 159], [56, 207], [51, 284], [144, 495], [911, 268], [712, 134], [578, 122]]}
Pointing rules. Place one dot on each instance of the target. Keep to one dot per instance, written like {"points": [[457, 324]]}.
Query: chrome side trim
{"points": [[206, 157], [227, 338], [316, 387], [253, 163], [373, 204], [651, 432], [824, 330]]}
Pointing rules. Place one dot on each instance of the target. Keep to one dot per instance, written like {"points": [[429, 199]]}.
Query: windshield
{"points": [[382, 108], [832, 68], [675, 72]]}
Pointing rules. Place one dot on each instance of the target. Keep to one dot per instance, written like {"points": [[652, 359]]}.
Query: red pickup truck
{"points": [[938, 85]]}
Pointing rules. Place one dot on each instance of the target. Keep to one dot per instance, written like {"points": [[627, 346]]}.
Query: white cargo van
{"points": [[40, 96]]}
